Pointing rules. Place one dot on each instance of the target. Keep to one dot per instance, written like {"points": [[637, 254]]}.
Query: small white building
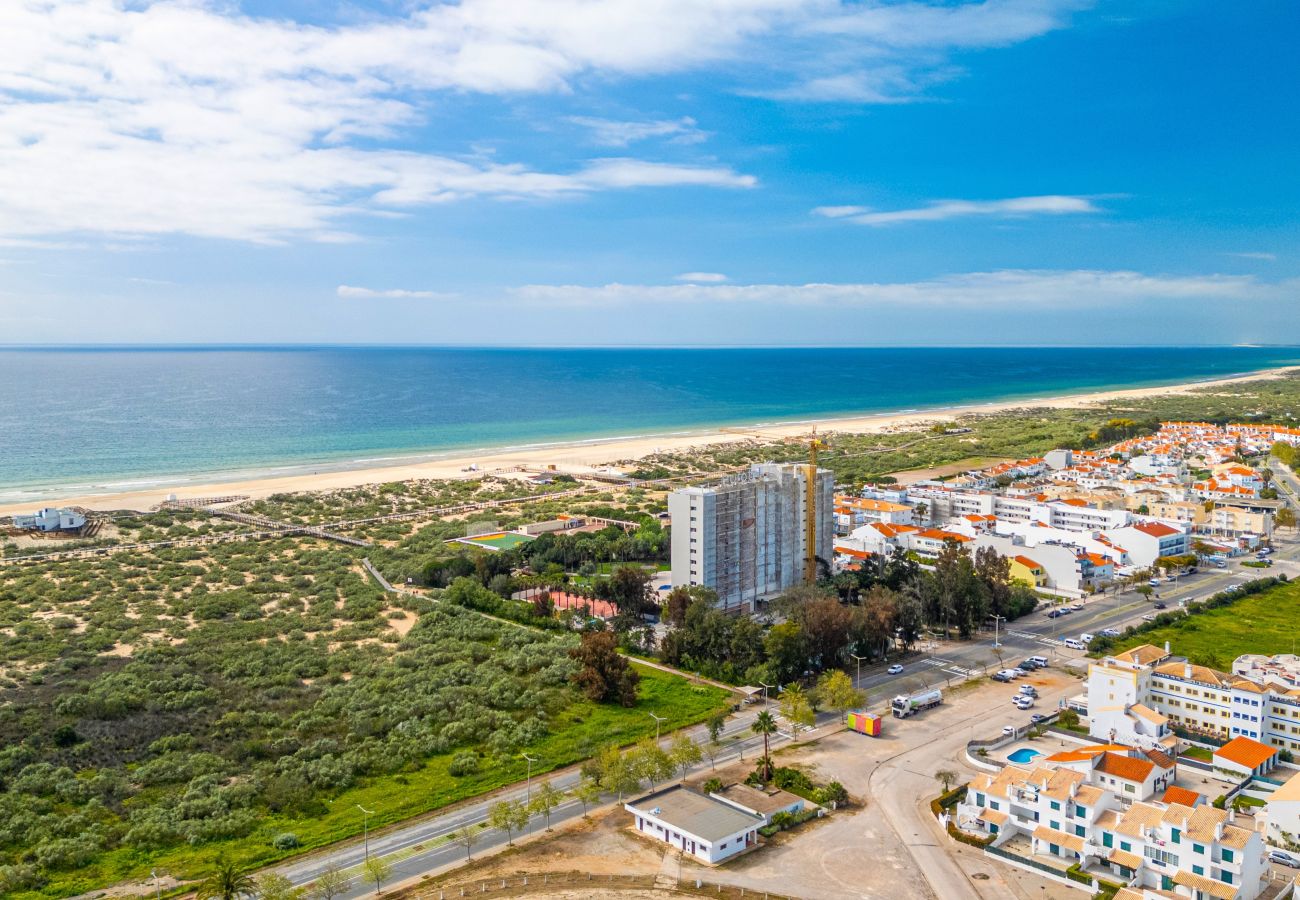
{"points": [[1245, 757], [762, 802], [1282, 814], [51, 519], [708, 829]]}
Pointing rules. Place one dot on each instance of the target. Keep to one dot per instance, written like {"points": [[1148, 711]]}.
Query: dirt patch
{"points": [[400, 621], [120, 650]]}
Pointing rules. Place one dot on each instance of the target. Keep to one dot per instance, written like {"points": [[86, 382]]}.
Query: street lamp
{"points": [[366, 826], [153, 873], [658, 721], [765, 690], [857, 681], [528, 784], [996, 621]]}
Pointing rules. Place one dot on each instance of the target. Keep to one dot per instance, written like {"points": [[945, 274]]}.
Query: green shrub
{"points": [[286, 840]]}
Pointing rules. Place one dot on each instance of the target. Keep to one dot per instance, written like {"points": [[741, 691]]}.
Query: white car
{"points": [[1024, 702], [1086, 637], [895, 669], [1008, 731], [1149, 617]]}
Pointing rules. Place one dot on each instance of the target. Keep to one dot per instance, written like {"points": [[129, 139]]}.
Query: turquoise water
{"points": [[79, 419], [1023, 755]]}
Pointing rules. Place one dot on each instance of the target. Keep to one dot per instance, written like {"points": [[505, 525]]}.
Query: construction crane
{"points": [[810, 510]]}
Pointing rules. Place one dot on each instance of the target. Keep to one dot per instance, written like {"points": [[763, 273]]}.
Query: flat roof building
{"points": [[708, 829]]}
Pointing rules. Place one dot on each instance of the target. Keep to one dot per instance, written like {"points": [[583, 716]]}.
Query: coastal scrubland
{"points": [[160, 707]]}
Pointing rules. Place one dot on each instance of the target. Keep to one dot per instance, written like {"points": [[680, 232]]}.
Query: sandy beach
{"points": [[586, 456]]}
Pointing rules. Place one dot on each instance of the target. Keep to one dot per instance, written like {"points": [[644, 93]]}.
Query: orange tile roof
{"points": [[1085, 753], [1176, 794], [1245, 752], [1125, 767]]}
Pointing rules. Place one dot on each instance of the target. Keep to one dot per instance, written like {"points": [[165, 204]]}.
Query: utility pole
{"points": [[996, 621], [658, 721], [765, 687], [858, 679], [366, 826], [528, 783]]}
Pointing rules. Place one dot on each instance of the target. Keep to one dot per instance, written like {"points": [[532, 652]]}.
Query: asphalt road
{"points": [[428, 845], [1037, 635], [423, 846]]}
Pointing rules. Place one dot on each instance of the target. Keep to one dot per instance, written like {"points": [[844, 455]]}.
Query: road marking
{"points": [[1024, 634], [1054, 641]]}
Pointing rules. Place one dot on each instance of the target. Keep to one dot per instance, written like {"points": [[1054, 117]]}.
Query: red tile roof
{"points": [[1176, 794], [1156, 529]]}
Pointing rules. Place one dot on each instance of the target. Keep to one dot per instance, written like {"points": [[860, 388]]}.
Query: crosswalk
{"points": [[951, 667], [1055, 642]]}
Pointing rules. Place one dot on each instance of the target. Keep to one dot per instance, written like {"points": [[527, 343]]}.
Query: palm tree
{"points": [[765, 725], [227, 882]]}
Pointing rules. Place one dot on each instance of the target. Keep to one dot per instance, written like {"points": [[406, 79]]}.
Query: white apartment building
{"points": [[1146, 542], [1068, 568], [1284, 668], [1186, 851], [1282, 814], [745, 536], [1124, 688]]}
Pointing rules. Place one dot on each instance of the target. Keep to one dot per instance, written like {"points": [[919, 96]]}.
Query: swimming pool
{"points": [[1023, 755]]}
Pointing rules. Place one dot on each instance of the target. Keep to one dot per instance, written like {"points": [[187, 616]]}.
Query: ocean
{"points": [[77, 420]]}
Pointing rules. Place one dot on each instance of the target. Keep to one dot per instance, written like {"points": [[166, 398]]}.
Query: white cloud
{"points": [[1023, 289], [614, 133], [703, 277], [146, 117], [939, 210], [349, 292], [1259, 255]]}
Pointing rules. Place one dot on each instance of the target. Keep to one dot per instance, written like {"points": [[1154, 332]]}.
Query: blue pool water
{"points": [[1023, 755]]}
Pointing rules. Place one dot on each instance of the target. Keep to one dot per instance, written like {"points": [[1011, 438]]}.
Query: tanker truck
{"points": [[904, 706]]}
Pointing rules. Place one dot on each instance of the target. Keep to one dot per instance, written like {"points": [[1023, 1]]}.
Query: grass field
{"points": [[501, 541], [1260, 623], [575, 735]]}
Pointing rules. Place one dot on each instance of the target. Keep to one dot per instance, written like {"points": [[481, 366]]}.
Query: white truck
{"points": [[904, 706]]}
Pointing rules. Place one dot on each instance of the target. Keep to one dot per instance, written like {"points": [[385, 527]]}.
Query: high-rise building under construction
{"points": [[746, 536]]}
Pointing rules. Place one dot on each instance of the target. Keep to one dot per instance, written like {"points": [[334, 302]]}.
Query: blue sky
{"points": [[649, 172]]}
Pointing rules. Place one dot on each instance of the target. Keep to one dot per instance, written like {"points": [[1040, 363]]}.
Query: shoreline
{"points": [[576, 456]]}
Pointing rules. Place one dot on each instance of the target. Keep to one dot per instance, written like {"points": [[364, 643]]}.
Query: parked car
{"points": [[1021, 673], [1283, 858], [1087, 637], [1040, 661], [1055, 613], [1010, 673], [1148, 617], [1008, 731], [1036, 718], [1023, 703], [1075, 644], [1161, 606], [1029, 664], [999, 676], [1154, 582], [895, 669], [1029, 690], [1076, 606], [1109, 632]]}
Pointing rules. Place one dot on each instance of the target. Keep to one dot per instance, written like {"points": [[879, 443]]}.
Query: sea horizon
{"points": [[140, 419]]}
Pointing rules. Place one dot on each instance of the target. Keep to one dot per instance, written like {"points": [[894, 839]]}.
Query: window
{"points": [[1080, 830], [1055, 826], [979, 799], [1225, 877], [1125, 846], [1107, 839], [1198, 848], [1227, 855], [1177, 835], [1198, 870], [993, 804], [1055, 805]]}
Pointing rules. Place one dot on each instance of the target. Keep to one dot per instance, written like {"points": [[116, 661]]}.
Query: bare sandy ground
{"points": [[591, 455]]}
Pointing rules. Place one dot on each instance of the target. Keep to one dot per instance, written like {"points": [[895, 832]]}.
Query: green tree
{"points": [[946, 777], [835, 691], [226, 882], [467, 837], [330, 883], [274, 886], [377, 869], [604, 673], [796, 706], [684, 753], [544, 801], [1285, 518], [765, 724], [508, 816], [651, 762], [588, 793]]}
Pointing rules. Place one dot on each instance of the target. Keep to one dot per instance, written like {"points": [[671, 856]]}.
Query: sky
{"points": [[657, 172]]}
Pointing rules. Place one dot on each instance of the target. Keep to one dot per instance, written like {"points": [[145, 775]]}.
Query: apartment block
{"points": [[745, 536]]}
